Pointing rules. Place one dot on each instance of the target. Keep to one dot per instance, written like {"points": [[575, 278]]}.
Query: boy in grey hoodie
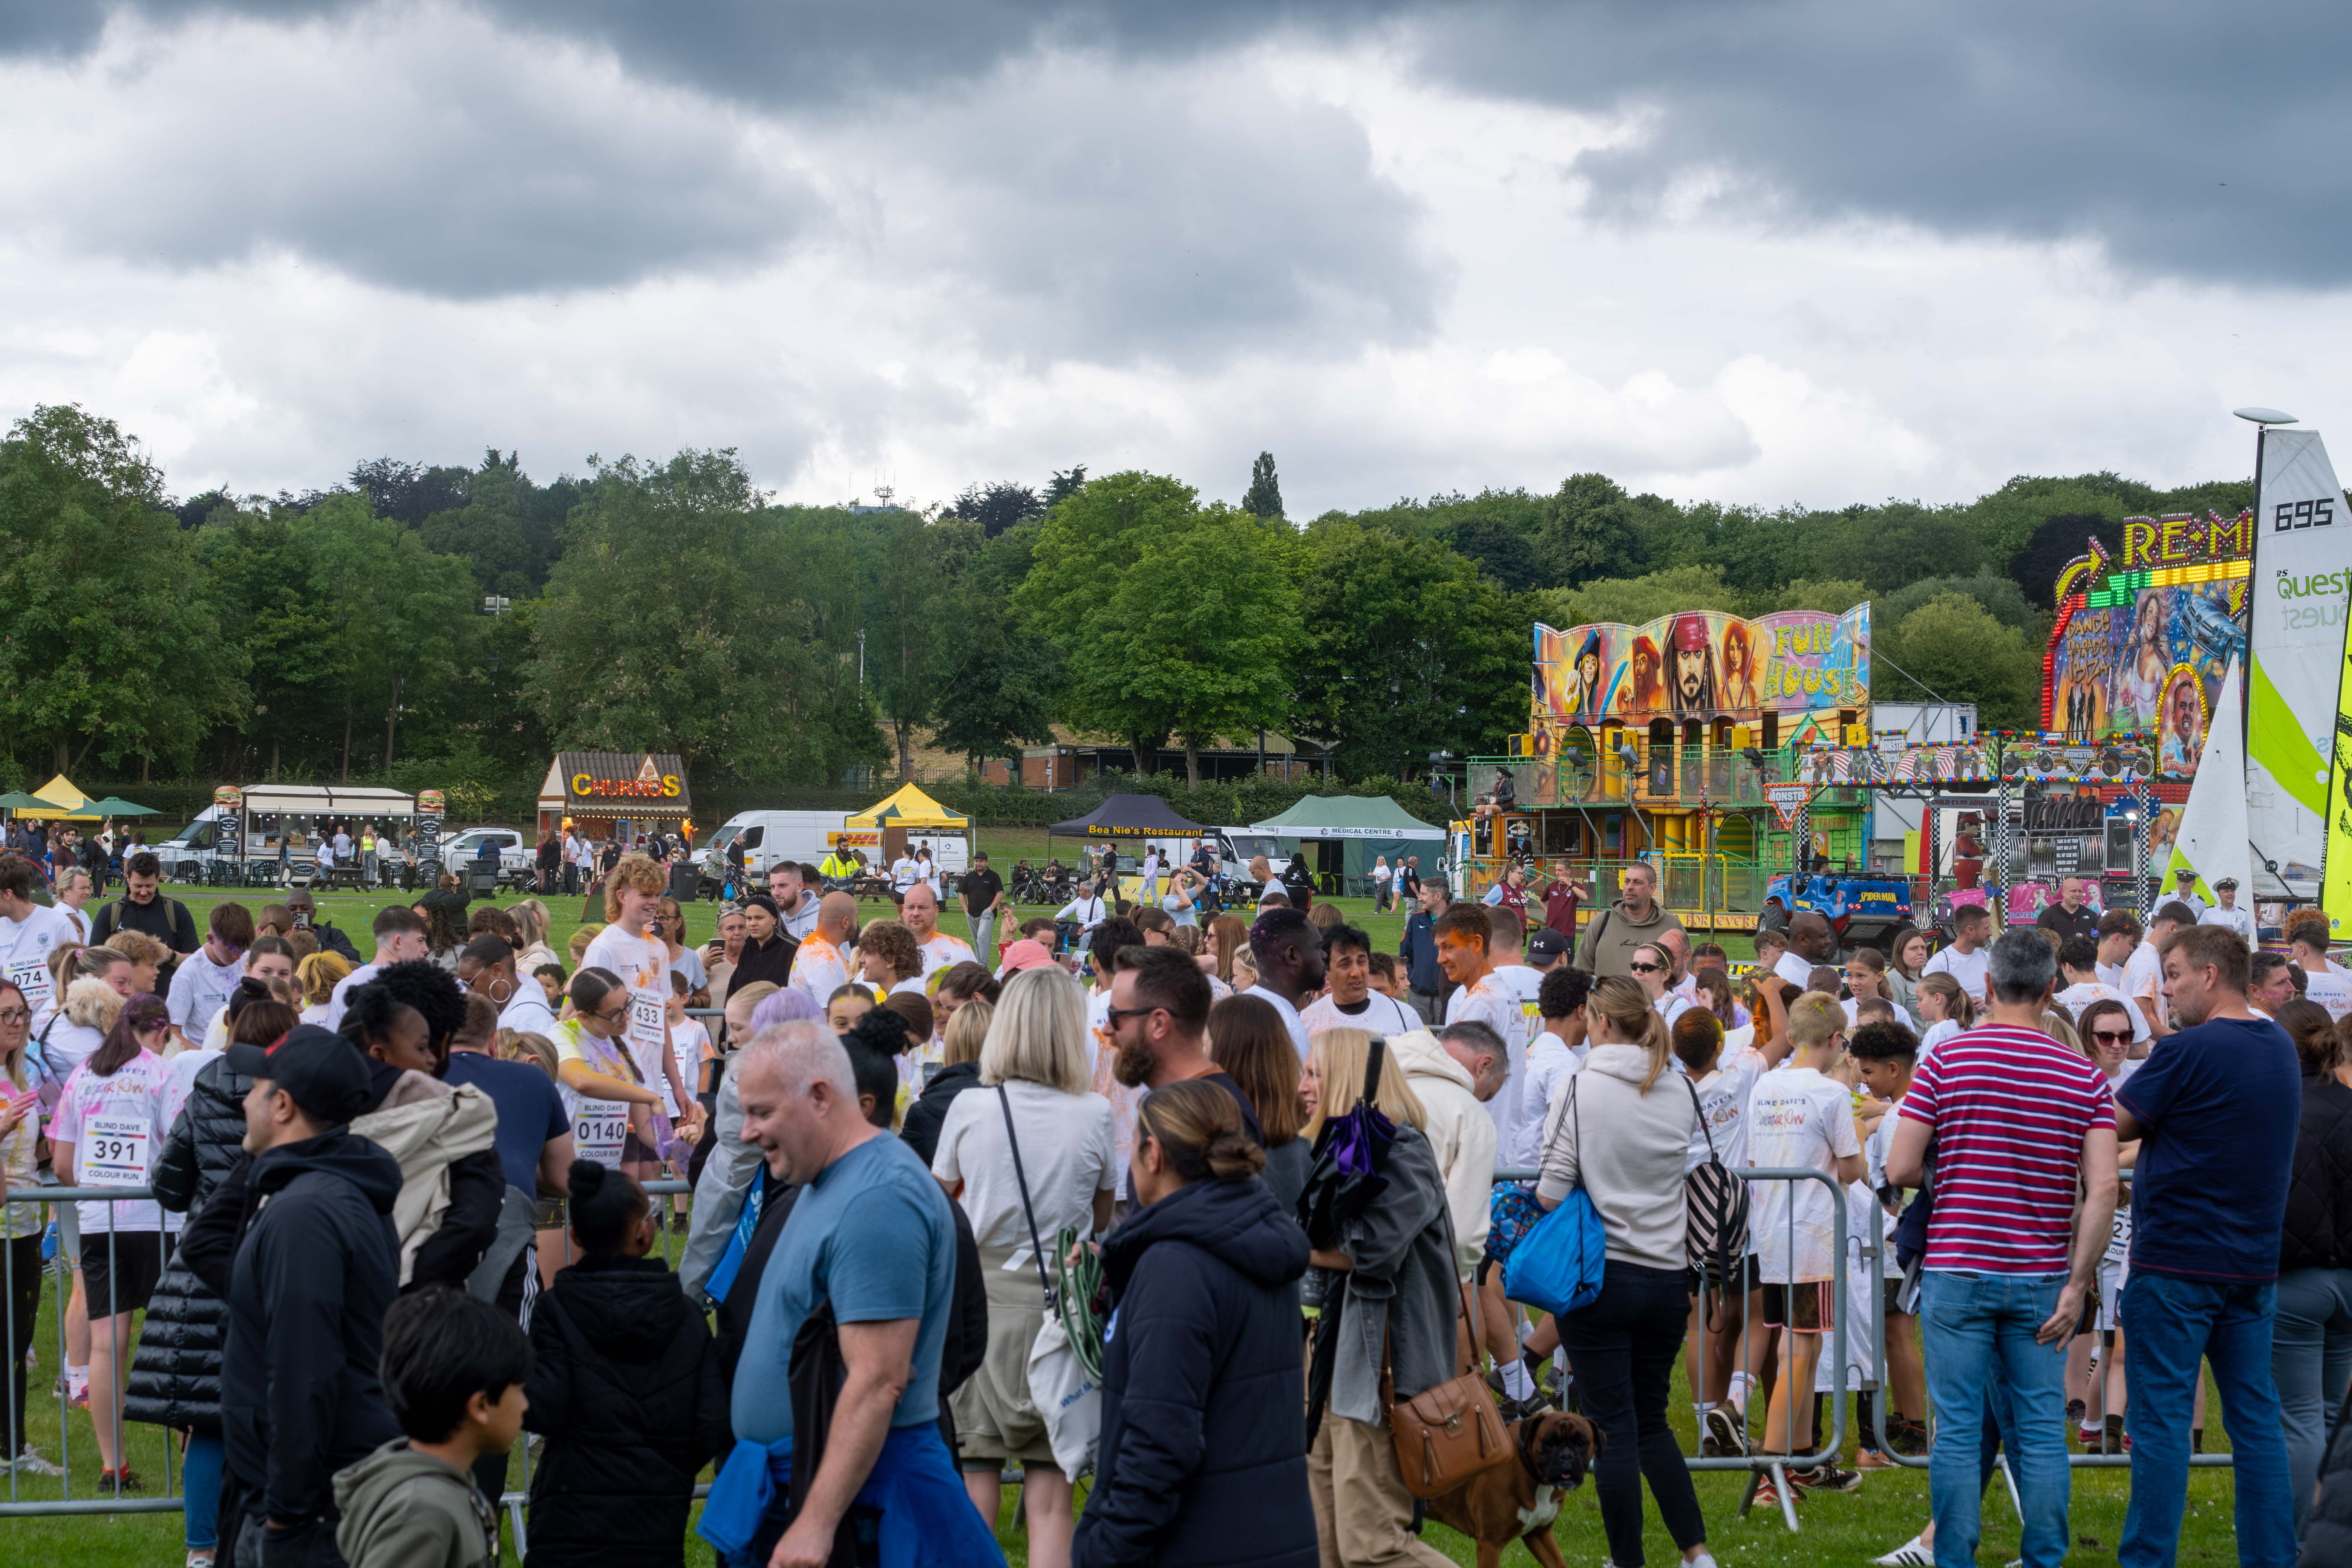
{"points": [[453, 1373]]}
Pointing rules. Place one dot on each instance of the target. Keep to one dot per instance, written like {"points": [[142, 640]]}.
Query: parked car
{"points": [[518, 862]]}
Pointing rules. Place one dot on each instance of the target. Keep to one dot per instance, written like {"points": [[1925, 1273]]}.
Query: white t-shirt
{"points": [[62, 1044], [902, 872], [1796, 1117], [2332, 989], [2077, 997], [1670, 1007], [1381, 873], [340, 998], [1796, 971], [819, 969], [1066, 1154], [689, 963], [1290, 1018], [1723, 1102], [688, 1042], [80, 922], [1381, 1015], [527, 1012], [2144, 977], [200, 989], [2239, 919], [643, 965], [181, 1081], [944, 951], [91, 1107], [325, 858], [1939, 1031], [1970, 969], [25, 947], [1551, 1062], [1504, 1000]]}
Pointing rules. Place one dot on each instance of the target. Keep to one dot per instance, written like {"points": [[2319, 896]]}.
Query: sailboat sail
{"points": [[2302, 576], [2213, 838]]}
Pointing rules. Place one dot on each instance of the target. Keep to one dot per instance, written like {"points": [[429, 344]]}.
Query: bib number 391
{"points": [[114, 1151]]}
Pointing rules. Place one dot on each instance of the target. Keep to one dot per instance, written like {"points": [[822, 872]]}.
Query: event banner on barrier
{"points": [[2302, 573]]}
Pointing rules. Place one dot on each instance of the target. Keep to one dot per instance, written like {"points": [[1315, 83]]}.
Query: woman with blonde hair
{"points": [[1228, 937], [1383, 1279], [1028, 1153], [531, 916], [1622, 1132], [967, 1031], [1944, 1008], [319, 974]]}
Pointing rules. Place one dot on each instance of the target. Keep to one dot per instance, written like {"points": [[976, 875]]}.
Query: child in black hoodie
{"points": [[626, 1387]]}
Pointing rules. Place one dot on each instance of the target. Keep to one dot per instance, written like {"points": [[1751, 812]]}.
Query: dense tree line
{"points": [[453, 625]]}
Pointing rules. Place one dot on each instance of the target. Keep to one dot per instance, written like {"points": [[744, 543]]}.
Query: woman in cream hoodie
{"points": [[1622, 1132]]}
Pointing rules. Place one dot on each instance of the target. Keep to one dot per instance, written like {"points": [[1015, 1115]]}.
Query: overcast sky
{"points": [[1752, 251]]}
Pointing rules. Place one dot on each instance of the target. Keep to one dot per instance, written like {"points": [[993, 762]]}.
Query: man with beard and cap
{"points": [[1159, 1022], [1290, 954], [1691, 678], [299, 1241]]}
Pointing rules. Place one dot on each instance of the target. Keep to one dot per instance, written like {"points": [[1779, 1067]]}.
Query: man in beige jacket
{"points": [[1454, 1074]]}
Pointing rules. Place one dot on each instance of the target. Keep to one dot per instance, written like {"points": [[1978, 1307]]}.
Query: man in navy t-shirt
{"points": [[2215, 1107]]}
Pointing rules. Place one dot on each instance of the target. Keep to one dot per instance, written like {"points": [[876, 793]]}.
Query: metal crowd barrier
{"points": [[1758, 1464]]}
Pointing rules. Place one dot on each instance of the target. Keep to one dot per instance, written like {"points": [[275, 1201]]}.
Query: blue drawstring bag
{"points": [[1557, 1264]]}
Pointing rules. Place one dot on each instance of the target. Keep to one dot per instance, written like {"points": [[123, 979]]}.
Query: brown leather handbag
{"points": [[1446, 1434]]}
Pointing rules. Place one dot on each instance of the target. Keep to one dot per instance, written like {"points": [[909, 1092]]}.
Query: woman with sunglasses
{"points": [[105, 1134], [2105, 1028], [1651, 968]]}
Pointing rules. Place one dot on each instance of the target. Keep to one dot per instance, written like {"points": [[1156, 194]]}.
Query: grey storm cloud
{"points": [[2190, 140]]}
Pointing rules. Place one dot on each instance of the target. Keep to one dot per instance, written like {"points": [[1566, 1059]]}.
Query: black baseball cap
{"points": [[323, 1072], [1547, 944]]}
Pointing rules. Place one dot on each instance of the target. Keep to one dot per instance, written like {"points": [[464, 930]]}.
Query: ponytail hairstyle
{"points": [[1717, 985], [1621, 1000], [605, 1206], [1956, 1004], [2313, 1030], [121, 1045], [1198, 1127], [589, 988]]}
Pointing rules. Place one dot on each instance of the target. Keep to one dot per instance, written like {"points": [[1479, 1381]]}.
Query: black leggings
{"points": [[24, 1312], [1623, 1349]]}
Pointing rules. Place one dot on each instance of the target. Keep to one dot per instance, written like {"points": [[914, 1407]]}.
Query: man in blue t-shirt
{"points": [[2215, 1107], [871, 1235]]}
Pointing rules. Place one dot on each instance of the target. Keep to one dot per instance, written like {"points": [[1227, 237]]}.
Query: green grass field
{"points": [[1837, 1529]]}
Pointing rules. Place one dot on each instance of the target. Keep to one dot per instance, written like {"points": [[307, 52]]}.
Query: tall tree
{"points": [[109, 639], [1063, 484], [1591, 529], [996, 507], [1263, 498]]}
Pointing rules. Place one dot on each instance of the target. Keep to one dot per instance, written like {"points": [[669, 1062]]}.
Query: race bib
{"points": [[32, 976], [647, 1014], [114, 1151], [598, 1135], [2119, 1237]]}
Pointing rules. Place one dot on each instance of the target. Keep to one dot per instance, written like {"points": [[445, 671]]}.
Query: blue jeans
{"points": [[1979, 1330], [200, 1483], [2170, 1327], [2311, 1362]]}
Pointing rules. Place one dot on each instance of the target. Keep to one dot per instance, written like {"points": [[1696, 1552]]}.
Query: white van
{"points": [[770, 837]]}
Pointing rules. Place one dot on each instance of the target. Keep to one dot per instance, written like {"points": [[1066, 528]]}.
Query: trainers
{"points": [[1769, 1496], [125, 1478], [1872, 1459], [32, 1464], [1912, 1554], [1908, 1438], [2076, 1410], [1727, 1435], [1823, 1479]]}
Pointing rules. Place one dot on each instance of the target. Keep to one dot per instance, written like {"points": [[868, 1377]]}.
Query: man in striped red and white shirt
{"points": [[2020, 1124]]}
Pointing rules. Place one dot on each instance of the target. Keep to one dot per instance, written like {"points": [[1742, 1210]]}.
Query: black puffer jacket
{"points": [[175, 1376], [625, 1382], [1204, 1452], [930, 1113], [2318, 1230]]}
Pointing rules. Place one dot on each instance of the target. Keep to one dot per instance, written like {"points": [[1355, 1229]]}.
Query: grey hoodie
{"points": [[1627, 1150], [405, 1509]]}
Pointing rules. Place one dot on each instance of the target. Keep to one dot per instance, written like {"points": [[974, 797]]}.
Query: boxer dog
{"points": [[1517, 1501]]}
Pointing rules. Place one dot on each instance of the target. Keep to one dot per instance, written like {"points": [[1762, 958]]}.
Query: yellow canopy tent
{"points": [[67, 804], [912, 809]]}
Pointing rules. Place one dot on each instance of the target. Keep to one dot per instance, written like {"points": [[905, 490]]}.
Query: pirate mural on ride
{"points": [[1639, 743]]}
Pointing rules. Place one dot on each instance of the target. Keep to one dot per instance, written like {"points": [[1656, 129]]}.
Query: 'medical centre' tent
{"points": [[1353, 831]]}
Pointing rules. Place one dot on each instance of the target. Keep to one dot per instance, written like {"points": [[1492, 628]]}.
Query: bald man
{"points": [[821, 966], [1809, 945], [920, 910]]}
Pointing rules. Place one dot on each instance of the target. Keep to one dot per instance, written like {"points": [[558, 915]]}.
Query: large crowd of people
{"points": [[1209, 1211]]}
